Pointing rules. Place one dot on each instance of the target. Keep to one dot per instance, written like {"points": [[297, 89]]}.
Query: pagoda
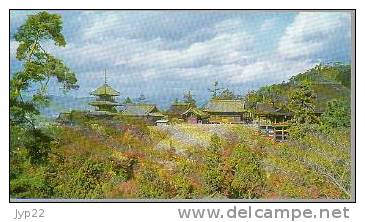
{"points": [[105, 98]]}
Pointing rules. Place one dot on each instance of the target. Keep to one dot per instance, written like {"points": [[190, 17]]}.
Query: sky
{"points": [[162, 54]]}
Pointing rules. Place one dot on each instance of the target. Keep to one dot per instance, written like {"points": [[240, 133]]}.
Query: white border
{"points": [[164, 211]]}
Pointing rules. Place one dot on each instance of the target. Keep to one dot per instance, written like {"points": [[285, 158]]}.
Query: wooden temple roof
{"points": [[196, 112], [105, 90], [178, 108], [103, 103], [141, 110], [225, 106]]}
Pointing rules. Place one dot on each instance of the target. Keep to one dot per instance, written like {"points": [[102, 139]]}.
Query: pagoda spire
{"points": [[105, 97]]}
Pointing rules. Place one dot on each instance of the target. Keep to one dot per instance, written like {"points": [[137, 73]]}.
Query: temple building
{"points": [[195, 115], [268, 113], [146, 112], [177, 109], [227, 111], [105, 102]]}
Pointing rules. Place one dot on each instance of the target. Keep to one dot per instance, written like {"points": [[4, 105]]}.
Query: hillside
{"points": [[327, 81], [103, 159]]}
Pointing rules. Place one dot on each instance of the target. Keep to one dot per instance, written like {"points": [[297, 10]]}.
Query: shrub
{"points": [[151, 182], [213, 175], [248, 175], [28, 181]]}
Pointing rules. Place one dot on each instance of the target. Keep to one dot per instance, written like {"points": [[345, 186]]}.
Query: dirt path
{"points": [[183, 136]]}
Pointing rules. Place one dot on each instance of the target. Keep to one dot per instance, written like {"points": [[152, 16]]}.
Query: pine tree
{"points": [[188, 98], [215, 90], [39, 68], [226, 94], [302, 104]]}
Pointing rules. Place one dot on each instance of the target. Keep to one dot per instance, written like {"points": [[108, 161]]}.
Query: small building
{"points": [[105, 102], [267, 112], [194, 115], [227, 111], [146, 112], [177, 109], [273, 121]]}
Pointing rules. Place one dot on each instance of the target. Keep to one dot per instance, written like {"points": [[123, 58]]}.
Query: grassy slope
{"points": [[291, 170], [126, 161]]}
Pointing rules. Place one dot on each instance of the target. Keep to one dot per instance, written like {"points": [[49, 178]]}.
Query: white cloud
{"points": [[229, 26], [228, 57], [139, 57], [101, 26], [273, 69], [313, 33], [224, 48], [268, 24]]}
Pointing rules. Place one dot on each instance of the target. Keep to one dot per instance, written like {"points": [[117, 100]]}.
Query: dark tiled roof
{"points": [[268, 108], [178, 108], [215, 105], [139, 109], [105, 103], [265, 108]]}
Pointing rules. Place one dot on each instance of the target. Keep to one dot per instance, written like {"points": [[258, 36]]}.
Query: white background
{"points": [[166, 211]]}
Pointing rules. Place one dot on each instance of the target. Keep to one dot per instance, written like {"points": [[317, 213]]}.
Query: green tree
{"points": [[39, 66], [338, 114], [273, 94], [30, 145], [344, 74], [188, 98], [226, 94], [301, 103], [251, 99]]}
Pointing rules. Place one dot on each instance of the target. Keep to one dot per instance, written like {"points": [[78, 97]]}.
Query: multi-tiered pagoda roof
{"points": [[105, 101]]}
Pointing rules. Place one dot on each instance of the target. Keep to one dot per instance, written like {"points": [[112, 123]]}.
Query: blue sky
{"points": [[164, 53]]}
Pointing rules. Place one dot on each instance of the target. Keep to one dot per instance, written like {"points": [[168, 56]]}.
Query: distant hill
{"points": [[328, 82], [66, 103], [323, 74]]}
